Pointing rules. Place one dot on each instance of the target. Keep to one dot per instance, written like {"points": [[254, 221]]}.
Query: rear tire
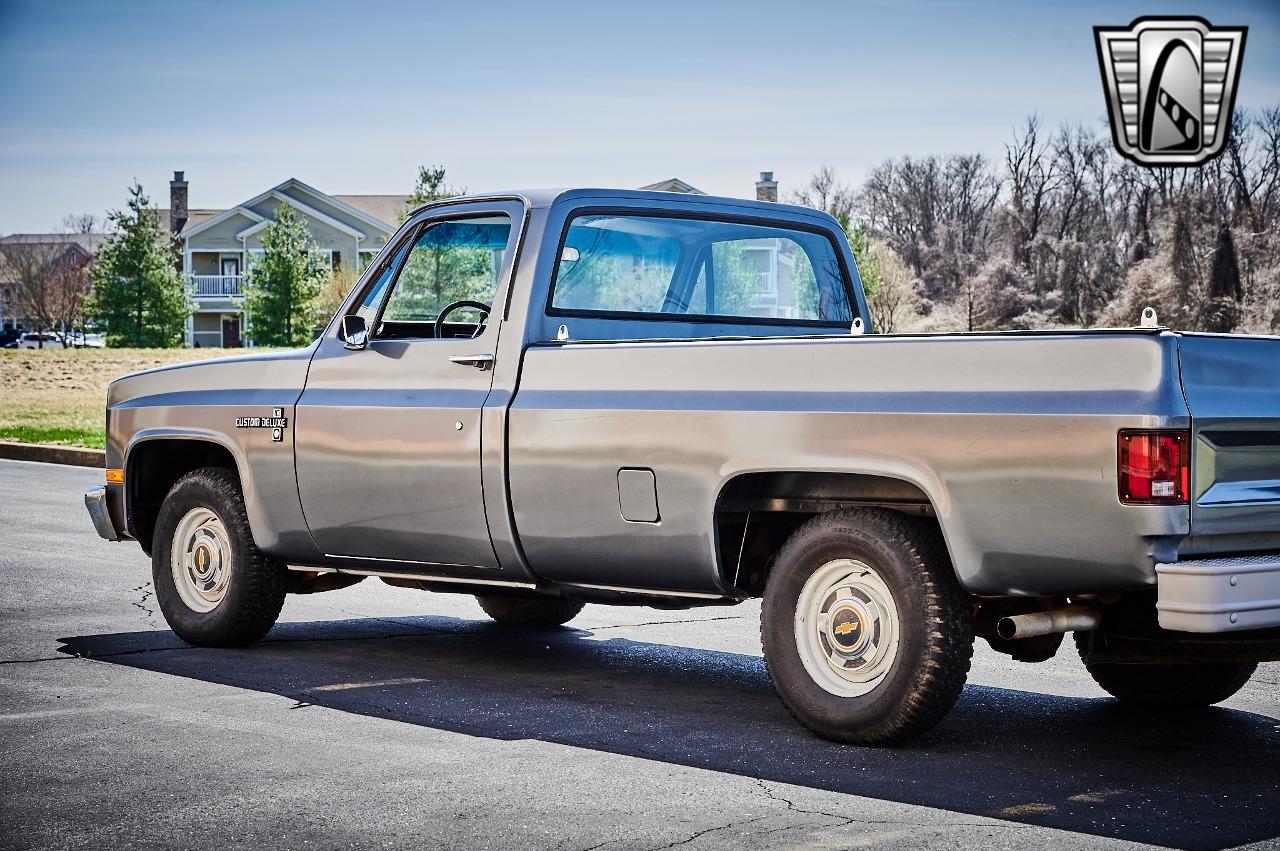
{"points": [[530, 612], [867, 634], [213, 585], [1179, 686]]}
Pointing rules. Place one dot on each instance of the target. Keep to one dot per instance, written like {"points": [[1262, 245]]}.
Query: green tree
{"points": [[282, 287], [430, 187], [865, 257], [137, 293]]}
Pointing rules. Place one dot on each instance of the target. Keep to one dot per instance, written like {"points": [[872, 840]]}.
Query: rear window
{"points": [[669, 268]]}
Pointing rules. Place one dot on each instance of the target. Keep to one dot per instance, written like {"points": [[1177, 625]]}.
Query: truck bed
{"points": [[1010, 437]]}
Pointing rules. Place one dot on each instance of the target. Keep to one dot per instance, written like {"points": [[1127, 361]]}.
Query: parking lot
{"points": [[377, 716]]}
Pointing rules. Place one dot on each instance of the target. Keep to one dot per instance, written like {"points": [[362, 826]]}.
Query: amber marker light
{"points": [[115, 476]]}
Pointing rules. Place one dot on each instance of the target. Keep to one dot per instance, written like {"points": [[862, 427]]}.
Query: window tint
{"points": [[694, 267], [450, 261]]}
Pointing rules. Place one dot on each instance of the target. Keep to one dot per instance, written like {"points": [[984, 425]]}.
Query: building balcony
{"points": [[216, 286]]}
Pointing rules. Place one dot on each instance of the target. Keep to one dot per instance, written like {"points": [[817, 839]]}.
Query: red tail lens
{"points": [[1155, 467]]}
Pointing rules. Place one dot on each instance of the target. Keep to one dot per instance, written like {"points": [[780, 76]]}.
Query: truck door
{"points": [[388, 437]]}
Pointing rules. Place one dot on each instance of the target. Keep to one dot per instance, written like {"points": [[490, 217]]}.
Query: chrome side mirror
{"points": [[354, 333]]}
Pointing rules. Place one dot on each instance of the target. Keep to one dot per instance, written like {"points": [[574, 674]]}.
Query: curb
{"points": [[76, 456]]}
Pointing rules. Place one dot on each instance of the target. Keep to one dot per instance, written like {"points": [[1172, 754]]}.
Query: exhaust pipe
{"points": [[1066, 619]]}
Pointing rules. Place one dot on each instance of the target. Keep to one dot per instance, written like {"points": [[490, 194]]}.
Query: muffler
{"points": [[1066, 619]]}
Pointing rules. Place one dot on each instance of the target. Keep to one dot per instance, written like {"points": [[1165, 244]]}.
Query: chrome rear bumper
{"points": [[95, 499], [1220, 594]]}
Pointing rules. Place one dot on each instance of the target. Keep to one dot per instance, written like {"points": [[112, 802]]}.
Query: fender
{"points": [[915, 477], [271, 501]]}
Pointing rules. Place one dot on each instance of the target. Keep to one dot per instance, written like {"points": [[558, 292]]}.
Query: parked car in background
{"points": [[50, 340], [82, 340], [40, 340]]}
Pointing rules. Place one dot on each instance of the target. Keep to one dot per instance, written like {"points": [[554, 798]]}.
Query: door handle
{"points": [[483, 361]]}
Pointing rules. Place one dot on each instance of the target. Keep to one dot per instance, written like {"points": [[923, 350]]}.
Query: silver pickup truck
{"points": [[552, 398]]}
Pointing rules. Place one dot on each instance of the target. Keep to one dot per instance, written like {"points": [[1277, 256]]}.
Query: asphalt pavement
{"points": [[383, 717]]}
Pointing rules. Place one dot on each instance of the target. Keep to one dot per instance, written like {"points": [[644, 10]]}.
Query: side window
{"points": [[450, 261], [699, 268]]}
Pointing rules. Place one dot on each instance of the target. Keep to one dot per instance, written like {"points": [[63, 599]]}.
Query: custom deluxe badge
{"points": [[277, 422]]}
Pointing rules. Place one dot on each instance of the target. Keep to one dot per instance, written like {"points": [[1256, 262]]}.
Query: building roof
{"points": [[384, 208], [83, 245], [383, 212], [673, 184], [194, 217], [88, 241]]}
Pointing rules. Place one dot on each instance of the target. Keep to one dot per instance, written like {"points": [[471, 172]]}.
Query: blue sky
{"points": [[351, 97]]}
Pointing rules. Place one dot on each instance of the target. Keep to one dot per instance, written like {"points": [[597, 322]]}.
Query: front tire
{"points": [[867, 634], [529, 612], [214, 587]]}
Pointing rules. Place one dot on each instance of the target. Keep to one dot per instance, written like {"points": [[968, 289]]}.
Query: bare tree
{"points": [[896, 301], [52, 282], [826, 192], [1031, 169], [80, 223], [1065, 231]]}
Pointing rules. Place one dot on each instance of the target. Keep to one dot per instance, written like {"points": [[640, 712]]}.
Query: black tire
{"points": [[255, 589], [1178, 686], [532, 612], [935, 627]]}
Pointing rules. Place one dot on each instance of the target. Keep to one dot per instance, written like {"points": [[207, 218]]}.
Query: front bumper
{"points": [[1220, 594], [95, 499]]}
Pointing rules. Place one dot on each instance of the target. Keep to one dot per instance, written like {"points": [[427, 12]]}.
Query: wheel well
{"points": [[154, 468], [757, 512]]}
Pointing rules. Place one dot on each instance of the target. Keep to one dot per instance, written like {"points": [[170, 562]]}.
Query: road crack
{"points": [[149, 614], [845, 821], [703, 833], [792, 807]]}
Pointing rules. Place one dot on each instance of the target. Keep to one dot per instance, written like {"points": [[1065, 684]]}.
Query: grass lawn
{"points": [[60, 395]]}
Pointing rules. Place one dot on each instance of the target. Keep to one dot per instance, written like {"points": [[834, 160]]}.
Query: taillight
{"points": [[1155, 467]]}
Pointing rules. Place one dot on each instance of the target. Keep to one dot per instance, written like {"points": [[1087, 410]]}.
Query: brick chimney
{"points": [[766, 187], [177, 203]]}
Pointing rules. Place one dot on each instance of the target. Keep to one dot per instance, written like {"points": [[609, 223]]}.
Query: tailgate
{"points": [[1232, 388]]}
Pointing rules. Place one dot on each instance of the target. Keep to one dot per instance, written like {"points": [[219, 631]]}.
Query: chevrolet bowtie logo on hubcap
{"points": [[846, 628]]}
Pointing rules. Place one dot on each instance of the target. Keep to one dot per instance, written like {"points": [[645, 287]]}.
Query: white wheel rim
{"points": [[200, 558], [846, 628]]}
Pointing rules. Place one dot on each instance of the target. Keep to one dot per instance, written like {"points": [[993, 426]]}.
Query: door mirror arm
{"points": [[354, 332]]}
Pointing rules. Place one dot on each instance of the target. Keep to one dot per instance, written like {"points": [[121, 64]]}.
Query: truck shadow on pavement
{"points": [[1205, 780]]}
